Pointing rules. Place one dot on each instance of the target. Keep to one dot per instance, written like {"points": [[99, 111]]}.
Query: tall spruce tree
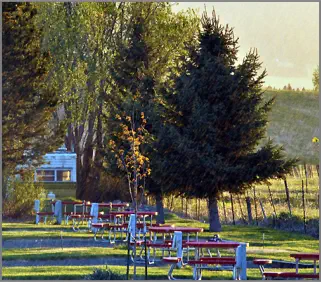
{"points": [[211, 144]]}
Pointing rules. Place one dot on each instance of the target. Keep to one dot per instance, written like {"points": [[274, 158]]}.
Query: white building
{"points": [[59, 166]]}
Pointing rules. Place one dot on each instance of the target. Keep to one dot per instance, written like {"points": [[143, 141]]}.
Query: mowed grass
{"points": [[78, 273], [62, 253], [277, 244]]}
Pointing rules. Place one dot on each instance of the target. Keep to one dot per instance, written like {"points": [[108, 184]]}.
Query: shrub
{"points": [[112, 188], [20, 194], [108, 274]]}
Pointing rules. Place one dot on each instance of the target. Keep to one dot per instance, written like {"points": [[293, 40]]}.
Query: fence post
{"points": [[249, 209], [186, 203], [306, 177], [287, 195], [255, 206], [196, 208], [232, 208], [224, 210], [172, 200], [303, 207], [272, 203], [241, 209], [262, 208]]}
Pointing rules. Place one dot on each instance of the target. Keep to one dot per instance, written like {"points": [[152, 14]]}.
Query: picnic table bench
{"points": [[288, 275], [237, 263]]}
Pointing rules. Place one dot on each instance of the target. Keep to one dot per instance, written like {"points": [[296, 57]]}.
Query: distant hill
{"points": [[294, 121]]}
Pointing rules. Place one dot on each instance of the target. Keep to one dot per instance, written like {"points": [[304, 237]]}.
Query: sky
{"points": [[285, 34]]}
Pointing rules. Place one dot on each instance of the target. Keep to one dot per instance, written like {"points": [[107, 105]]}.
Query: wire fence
{"points": [[291, 203]]}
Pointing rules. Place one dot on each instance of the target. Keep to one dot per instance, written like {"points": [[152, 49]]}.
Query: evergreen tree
{"points": [[315, 79], [289, 87], [211, 145], [28, 104], [156, 42]]}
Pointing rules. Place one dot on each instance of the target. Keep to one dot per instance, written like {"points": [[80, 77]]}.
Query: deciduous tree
{"points": [[29, 130]]}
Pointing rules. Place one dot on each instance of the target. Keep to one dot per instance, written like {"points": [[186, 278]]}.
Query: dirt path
{"points": [[52, 243], [71, 261]]}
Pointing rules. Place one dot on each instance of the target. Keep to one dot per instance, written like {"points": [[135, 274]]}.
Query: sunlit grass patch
{"points": [[78, 272]]}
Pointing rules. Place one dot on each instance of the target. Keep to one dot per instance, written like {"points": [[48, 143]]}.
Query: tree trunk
{"points": [[214, 217], [160, 218]]}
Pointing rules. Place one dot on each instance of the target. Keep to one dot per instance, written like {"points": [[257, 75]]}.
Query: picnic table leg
{"points": [[163, 243], [197, 271], [241, 263], [297, 265], [315, 267], [102, 235], [170, 272]]}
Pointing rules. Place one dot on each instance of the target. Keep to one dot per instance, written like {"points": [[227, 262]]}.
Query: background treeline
{"points": [[79, 73]]}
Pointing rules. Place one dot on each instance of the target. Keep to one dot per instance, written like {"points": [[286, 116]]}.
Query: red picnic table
{"points": [[171, 229], [107, 205], [306, 256], [167, 244], [286, 275], [123, 214], [237, 262]]}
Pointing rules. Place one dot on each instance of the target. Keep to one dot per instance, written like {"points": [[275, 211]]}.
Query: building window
{"points": [[45, 175], [63, 175]]}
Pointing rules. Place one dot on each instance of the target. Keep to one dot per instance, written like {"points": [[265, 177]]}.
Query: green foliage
{"points": [[153, 49], [108, 274], [221, 117], [61, 190], [315, 79], [28, 104], [20, 194], [211, 143], [113, 188]]}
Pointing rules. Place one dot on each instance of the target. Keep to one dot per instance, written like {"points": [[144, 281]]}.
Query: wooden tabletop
{"points": [[120, 205], [220, 245], [68, 202], [172, 229], [305, 256], [88, 204], [139, 213]]}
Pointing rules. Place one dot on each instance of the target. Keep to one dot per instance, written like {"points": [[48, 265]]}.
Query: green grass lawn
{"points": [[78, 272], [65, 253], [278, 245]]}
